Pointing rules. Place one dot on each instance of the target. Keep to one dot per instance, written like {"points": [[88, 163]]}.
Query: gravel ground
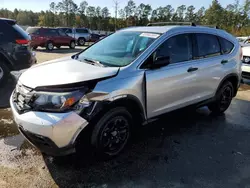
{"points": [[183, 149]]}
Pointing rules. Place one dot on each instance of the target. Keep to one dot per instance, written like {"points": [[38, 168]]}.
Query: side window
{"points": [[61, 32], [208, 45], [7, 33], [51, 32], [82, 31], [226, 46], [178, 48], [69, 31]]}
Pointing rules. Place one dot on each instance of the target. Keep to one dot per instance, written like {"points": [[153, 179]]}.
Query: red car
{"points": [[49, 37]]}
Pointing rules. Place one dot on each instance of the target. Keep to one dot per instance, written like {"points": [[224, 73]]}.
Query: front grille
{"points": [[22, 97], [245, 74]]}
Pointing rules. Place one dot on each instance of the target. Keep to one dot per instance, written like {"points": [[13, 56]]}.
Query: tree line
{"points": [[235, 17]]}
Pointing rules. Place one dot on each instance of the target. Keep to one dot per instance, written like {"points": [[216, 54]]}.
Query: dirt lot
{"points": [[183, 149]]}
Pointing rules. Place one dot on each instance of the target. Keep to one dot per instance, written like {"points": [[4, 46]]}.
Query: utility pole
{"points": [[116, 10]]}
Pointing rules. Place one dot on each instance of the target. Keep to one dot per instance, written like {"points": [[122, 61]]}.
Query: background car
{"points": [[15, 51], [81, 35], [95, 37], [49, 37], [246, 62]]}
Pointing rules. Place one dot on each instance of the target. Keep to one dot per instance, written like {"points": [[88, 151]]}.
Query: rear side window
{"points": [[10, 32], [20, 32], [68, 31], [226, 46], [208, 45], [178, 48], [51, 32], [82, 31]]}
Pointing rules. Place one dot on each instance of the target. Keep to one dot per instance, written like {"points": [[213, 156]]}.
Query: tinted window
{"points": [[178, 48], [208, 45], [68, 31], [20, 32], [10, 32], [226, 46], [51, 32], [82, 31]]}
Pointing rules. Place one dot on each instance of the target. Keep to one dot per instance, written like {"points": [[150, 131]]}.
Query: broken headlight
{"points": [[57, 102]]}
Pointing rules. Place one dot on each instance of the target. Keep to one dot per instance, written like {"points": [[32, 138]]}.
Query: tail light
{"points": [[22, 41]]}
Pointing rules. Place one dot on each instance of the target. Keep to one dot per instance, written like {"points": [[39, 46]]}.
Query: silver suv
{"points": [[81, 35], [124, 81]]}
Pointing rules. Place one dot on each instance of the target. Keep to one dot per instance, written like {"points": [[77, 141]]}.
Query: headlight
{"points": [[56, 102], [246, 59]]}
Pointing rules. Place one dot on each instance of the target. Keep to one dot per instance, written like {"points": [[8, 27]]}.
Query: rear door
{"points": [[175, 85], [211, 64], [70, 32], [65, 39]]}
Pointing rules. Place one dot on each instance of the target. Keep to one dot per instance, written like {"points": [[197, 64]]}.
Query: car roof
{"points": [[164, 29], [10, 21]]}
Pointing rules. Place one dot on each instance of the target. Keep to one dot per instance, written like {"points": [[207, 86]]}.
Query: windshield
{"points": [[119, 49]]}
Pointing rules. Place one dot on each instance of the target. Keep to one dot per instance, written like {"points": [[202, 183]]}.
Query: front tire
{"points": [[223, 100], [4, 72], [72, 45], [112, 132], [49, 46], [81, 41]]}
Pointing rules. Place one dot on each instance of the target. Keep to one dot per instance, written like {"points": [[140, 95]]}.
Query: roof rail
{"points": [[171, 23]]}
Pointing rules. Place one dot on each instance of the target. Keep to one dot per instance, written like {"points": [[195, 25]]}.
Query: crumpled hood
{"points": [[63, 71]]}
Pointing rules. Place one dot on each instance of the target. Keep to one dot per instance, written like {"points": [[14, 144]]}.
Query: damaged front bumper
{"points": [[52, 133]]}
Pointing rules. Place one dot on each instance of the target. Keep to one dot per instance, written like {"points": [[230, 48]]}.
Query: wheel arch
{"points": [[234, 79]]}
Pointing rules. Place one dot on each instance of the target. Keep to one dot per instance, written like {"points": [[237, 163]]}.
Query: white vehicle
{"points": [[246, 62]]}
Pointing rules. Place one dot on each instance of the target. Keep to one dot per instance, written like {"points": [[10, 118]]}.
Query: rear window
{"points": [[208, 45], [20, 32], [82, 31], [226, 46]]}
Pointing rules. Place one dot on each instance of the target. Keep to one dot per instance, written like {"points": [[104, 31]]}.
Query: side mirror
{"points": [[161, 61]]}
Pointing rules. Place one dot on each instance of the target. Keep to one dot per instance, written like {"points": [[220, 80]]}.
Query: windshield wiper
{"points": [[93, 62]]}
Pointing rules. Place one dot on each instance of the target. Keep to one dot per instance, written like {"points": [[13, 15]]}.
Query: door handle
{"points": [[192, 69], [224, 62]]}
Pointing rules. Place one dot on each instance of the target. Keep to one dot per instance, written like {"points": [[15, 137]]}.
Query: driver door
{"points": [[173, 86]]}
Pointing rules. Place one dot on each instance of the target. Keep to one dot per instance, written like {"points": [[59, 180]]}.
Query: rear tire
{"points": [[112, 132], [81, 41], [72, 45], [223, 99], [4, 72], [49, 46]]}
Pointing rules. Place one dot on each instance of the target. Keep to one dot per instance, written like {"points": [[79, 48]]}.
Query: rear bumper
{"points": [[52, 133], [24, 60]]}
